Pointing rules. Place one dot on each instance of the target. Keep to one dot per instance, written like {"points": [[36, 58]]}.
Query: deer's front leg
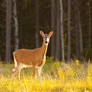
{"points": [[39, 73], [34, 75]]}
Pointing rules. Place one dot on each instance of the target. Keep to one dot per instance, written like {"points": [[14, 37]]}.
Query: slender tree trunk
{"points": [[37, 22], [89, 33], [52, 26], [69, 30], [57, 54], [77, 42], [80, 36], [8, 31], [62, 30], [0, 57], [16, 25], [78, 29]]}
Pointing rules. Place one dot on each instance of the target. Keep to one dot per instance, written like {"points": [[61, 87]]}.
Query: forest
{"points": [[70, 20], [67, 65]]}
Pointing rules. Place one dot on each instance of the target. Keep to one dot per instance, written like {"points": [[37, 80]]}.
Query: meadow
{"points": [[56, 77]]}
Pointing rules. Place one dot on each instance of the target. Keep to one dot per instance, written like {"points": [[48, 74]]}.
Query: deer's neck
{"points": [[44, 49]]}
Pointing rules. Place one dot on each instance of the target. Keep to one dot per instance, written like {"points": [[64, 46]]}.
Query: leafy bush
{"points": [[87, 53]]}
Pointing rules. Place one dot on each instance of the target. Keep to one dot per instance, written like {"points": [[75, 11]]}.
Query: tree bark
{"points": [[37, 22], [78, 29], [89, 32], [0, 57], [62, 30], [57, 54], [69, 30], [16, 25], [80, 34], [52, 27], [8, 31]]}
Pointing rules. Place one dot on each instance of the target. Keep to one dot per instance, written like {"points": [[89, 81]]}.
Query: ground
{"points": [[56, 77]]}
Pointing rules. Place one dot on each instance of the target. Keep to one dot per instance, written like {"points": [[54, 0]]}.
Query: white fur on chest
{"points": [[44, 60]]}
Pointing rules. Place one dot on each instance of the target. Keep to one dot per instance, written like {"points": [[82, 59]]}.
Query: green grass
{"points": [[56, 77]]}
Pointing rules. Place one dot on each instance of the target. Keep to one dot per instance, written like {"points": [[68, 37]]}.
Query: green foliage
{"points": [[49, 59], [87, 53]]}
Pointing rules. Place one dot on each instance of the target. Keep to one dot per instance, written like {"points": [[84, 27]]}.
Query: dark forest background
{"points": [[71, 21]]}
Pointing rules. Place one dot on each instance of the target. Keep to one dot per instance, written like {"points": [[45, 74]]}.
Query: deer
{"points": [[34, 58]]}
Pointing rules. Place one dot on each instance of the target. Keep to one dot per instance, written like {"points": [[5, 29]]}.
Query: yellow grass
{"points": [[57, 77]]}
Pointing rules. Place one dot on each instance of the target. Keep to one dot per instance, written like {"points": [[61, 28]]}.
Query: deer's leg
{"points": [[39, 73], [15, 70], [19, 70], [34, 75]]}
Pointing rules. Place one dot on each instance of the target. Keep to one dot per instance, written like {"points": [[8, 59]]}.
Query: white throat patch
{"points": [[48, 40]]}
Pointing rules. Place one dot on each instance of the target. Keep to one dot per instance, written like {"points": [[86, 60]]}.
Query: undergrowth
{"points": [[56, 77]]}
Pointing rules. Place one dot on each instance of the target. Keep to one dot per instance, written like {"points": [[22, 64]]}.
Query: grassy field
{"points": [[57, 77]]}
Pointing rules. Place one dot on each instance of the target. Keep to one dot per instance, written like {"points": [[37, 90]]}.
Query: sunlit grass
{"points": [[57, 77]]}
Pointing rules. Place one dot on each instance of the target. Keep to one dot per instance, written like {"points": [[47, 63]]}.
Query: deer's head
{"points": [[46, 37]]}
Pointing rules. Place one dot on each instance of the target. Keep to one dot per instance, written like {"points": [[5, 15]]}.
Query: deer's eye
{"points": [[45, 38]]}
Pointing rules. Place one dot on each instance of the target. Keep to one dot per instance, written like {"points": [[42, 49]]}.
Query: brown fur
{"points": [[33, 57]]}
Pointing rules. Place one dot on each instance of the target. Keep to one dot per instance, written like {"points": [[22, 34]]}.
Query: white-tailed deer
{"points": [[32, 58]]}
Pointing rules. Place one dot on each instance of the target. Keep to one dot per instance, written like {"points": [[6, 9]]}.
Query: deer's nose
{"points": [[46, 42]]}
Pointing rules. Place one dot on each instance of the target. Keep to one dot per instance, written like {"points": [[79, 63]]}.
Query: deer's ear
{"points": [[51, 33], [41, 33]]}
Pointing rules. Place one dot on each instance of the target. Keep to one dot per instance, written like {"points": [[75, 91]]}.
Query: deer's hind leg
{"points": [[16, 70]]}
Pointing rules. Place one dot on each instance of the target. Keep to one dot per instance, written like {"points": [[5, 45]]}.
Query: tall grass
{"points": [[57, 77]]}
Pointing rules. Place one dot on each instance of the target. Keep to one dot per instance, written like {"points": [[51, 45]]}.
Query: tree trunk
{"points": [[57, 54], [80, 36], [78, 29], [37, 22], [69, 30], [8, 31], [16, 25], [62, 30], [0, 57], [89, 32], [52, 27]]}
